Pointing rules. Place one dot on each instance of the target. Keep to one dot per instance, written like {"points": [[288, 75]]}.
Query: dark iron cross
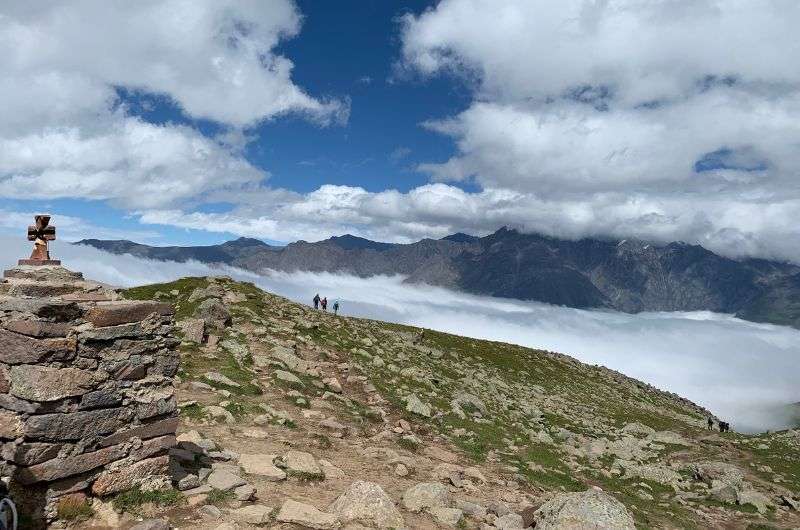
{"points": [[40, 234]]}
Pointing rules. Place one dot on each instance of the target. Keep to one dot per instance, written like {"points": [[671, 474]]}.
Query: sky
{"points": [[742, 371], [175, 122]]}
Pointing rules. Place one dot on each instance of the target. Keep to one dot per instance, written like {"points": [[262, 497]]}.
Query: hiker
{"points": [[316, 301], [336, 307], [710, 424], [324, 303], [724, 426]]}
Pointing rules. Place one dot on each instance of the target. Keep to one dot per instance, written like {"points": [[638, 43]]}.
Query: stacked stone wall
{"points": [[87, 401]]}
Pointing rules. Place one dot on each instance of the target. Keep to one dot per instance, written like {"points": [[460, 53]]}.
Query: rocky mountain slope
{"points": [[627, 275], [295, 418]]}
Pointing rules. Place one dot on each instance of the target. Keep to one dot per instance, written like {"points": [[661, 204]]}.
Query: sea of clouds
{"points": [[742, 371]]}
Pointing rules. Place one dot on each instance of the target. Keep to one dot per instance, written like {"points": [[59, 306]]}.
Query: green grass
{"points": [[74, 509], [131, 501], [193, 412], [585, 400], [241, 410], [408, 444], [217, 497]]}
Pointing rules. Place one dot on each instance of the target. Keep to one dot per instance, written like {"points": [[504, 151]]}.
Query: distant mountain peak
{"points": [[245, 242], [351, 242], [460, 237]]}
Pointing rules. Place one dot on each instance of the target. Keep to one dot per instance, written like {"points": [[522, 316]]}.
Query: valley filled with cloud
{"points": [[742, 371]]}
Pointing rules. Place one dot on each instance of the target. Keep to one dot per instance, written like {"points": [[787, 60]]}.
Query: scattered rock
{"points": [[446, 516], [288, 377], [513, 521], [254, 514], [245, 493], [425, 495], [306, 515], [223, 480], [303, 465], [211, 511], [214, 313], [261, 465], [152, 524], [219, 414], [216, 377], [585, 510], [416, 406], [367, 502]]}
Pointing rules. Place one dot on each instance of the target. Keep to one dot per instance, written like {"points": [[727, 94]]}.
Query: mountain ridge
{"points": [[628, 275]]}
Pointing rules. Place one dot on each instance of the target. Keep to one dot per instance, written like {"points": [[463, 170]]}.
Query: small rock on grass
{"points": [[415, 406]]}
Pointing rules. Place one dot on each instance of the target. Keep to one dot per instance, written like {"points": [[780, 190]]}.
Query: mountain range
{"points": [[629, 275]]}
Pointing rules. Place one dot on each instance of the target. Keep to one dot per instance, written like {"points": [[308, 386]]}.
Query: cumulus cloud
{"points": [[662, 119], [215, 59], [66, 132], [740, 370]]}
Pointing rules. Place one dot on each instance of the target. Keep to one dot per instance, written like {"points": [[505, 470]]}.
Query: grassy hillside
{"points": [[543, 420]]}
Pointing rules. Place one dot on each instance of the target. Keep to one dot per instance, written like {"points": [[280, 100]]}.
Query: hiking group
{"points": [[323, 303], [724, 426]]}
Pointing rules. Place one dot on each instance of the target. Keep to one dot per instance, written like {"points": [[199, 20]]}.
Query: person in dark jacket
{"points": [[316, 301], [324, 303]]}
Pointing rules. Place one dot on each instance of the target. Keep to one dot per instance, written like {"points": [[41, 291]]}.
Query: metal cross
{"points": [[40, 234]]}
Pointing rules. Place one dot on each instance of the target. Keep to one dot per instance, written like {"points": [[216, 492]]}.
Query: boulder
{"points": [[425, 495], [288, 377], [446, 516], [223, 480], [513, 521], [591, 509], [302, 464], [306, 515], [216, 377], [214, 313], [261, 465], [367, 502], [415, 406], [756, 499], [194, 330], [245, 493], [219, 414], [254, 514]]}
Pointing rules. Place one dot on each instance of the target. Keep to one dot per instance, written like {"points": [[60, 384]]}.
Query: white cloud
{"points": [[215, 59], [725, 223], [597, 113], [65, 132], [740, 370]]}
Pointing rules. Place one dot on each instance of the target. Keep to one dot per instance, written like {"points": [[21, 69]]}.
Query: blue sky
{"points": [[170, 123]]}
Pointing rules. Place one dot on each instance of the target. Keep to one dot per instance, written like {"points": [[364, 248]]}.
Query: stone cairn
{"points": [[87, 400]]}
